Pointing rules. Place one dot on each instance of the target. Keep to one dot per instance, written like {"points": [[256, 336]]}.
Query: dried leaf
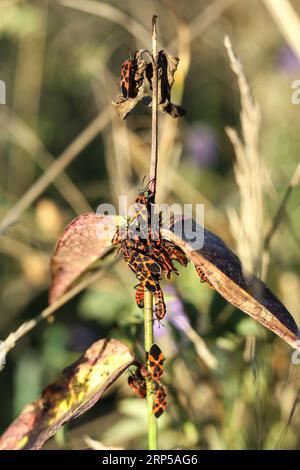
{"points": [[86, 239], [167, 66], [223, 270], [78, 389], [122, 105]]}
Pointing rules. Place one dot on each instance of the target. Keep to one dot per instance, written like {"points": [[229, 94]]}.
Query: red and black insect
{"points": [[203, 277], [162, 257], [160, 306], [175, 253], [143, 374], [138, 383], [145, 195], [146, 269], [160, 402], [156, 362], [139, 294], [127, 79]]}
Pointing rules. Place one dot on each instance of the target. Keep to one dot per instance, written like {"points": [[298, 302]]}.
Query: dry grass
{"points": [[247, 226]]}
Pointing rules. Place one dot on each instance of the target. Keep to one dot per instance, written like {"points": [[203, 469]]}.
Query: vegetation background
{"points": [[60, 60]]}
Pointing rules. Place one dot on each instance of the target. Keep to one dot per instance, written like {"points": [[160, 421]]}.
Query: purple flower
{"points": [[176, 316], [201, 143], [159, 330], [176, 313], [287, 61]]}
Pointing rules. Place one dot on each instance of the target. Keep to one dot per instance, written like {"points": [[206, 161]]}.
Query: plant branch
{"points": [[27, 326], [148, 329], [281, 211], [148, 299], [54, 170], [154, 156], [18, 132]]}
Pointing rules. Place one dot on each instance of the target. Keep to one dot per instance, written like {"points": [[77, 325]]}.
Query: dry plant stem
{"points": [[148, 300], [153, 164], [66, 157], [27, 326], [281, 211], [291, 415], [287, 20], [111, 13], [18, 132]]}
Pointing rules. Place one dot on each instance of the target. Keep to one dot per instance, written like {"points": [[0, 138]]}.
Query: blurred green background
{"points": [[60, 61]]}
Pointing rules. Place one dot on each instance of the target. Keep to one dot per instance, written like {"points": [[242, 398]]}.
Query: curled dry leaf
{"points": [[78, 389], [223, 271], [86, 239], [167, 66], [123, 105]]}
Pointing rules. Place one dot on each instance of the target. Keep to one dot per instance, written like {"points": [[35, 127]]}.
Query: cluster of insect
{"points": [[137, 379], [147, 254]]}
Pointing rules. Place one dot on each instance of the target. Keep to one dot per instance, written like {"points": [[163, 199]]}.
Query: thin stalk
{"points": [[148, 329], [154, 156], [280, 213], [148, 298]]}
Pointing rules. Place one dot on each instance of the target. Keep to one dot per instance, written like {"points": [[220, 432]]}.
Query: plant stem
{"points": [[148, 298], [148, 328], [154, 156]]}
